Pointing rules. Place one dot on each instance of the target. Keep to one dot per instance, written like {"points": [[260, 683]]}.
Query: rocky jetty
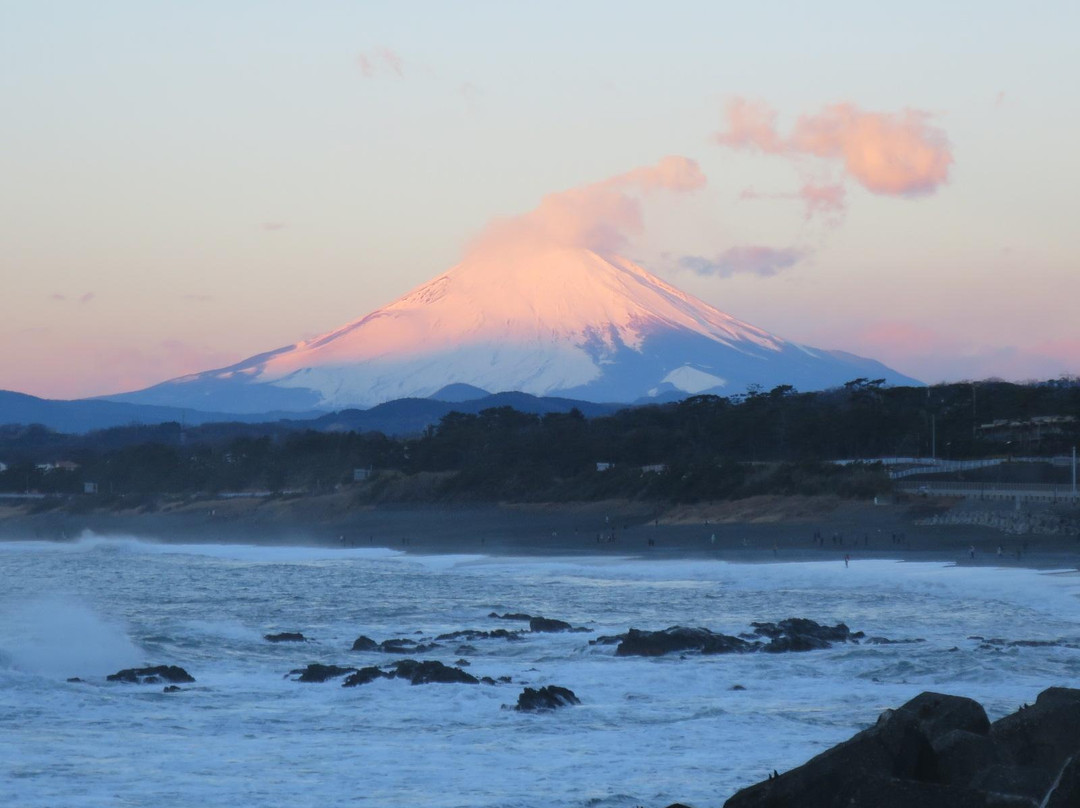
{"points": [[153, 675], [940, 751], [551, 697]]}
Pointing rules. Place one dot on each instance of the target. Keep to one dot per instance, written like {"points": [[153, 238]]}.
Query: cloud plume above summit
{"points": [[896, 154], [600, 216]]}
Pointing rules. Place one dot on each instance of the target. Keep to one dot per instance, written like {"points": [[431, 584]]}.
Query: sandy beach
{"points": [[761, 529]]}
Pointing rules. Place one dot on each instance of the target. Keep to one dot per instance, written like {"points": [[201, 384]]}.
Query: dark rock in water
{"points": [[285, 636], [608, 639], [737, 687], [365, 676], [512, 616], [793, 634], [151, 675], [363, 643], [546, 624], [939, 751], [677, 638], [546, 698], [476, 634], [462, 663], [405, 646], [171, 689], [75, 679], [316, 672], [887, 641], [800, 634], [430, 671]]}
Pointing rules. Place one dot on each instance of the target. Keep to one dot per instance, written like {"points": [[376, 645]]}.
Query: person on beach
{"points": [[971, 551], [847, 558]]}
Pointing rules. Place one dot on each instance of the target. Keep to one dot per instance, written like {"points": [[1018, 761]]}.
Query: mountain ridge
{"points": [[557, 322]]}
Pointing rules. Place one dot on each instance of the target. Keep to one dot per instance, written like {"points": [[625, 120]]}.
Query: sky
{"points": [[186, 184]]}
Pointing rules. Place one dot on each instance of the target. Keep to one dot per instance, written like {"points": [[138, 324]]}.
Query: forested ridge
{"points": [[776, 441]]}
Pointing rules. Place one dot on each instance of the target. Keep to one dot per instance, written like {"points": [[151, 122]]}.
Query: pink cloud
{"points": [[825, 199], [744, 260], [369, 62], [273, 226], [600, 216], [391, 60], [899, 154], [86, 298]]}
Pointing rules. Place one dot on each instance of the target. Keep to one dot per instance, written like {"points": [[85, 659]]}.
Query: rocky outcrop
{"points": [[548, 625], [285, 636], [939, 751], [546, 698], [316, 672], [512, 616], [476, 634], [154, 675], [363, 643], [418, 673], [677, 638], [793, 634]]}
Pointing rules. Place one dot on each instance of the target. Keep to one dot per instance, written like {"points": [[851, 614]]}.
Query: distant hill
{"points": [[84, 415], [409, 416], [402, 417]]}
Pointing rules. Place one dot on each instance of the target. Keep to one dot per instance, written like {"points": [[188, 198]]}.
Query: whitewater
{"points": [[648, 732]]}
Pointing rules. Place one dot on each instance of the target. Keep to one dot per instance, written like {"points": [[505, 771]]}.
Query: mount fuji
{"points": [[566, 322]]}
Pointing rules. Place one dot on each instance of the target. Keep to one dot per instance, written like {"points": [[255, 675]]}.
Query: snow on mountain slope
{"points": [[563, 321]]}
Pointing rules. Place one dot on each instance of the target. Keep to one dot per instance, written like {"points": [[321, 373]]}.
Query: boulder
{"points": [[363, 643], [800, 634], [1044, 735], [894, 748], [316, 672], [550, 697], [940, 751], [938, 714], [961, 755], [285, 636], [547, 624], [152, 675], [677, 638], [512, 616], [1066, 791], [171, 689]]}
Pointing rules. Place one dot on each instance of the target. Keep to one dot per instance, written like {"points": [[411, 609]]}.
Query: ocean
{"points": [[648, 731]]}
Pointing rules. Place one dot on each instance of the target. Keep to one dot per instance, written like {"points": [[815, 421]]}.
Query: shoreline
{"points": [[760, 530]]}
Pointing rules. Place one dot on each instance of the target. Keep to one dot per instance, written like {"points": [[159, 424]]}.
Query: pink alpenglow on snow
{"points": [[896, 154], [599, 217]]}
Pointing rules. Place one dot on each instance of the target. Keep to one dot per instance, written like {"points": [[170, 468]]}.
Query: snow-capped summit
{"points": [[563, 321]]}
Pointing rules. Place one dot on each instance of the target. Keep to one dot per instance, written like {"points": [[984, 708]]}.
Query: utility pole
{"points": [[1074, 471], [933, 437]]}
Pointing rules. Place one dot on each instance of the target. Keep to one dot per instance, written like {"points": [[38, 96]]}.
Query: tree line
{"points": [[775, 441]]}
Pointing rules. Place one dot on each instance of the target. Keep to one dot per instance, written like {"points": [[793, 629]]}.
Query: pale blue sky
{"points": [[186, 184]]}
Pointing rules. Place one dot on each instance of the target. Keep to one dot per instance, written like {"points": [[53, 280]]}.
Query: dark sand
{"points": [[763, 529]]}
